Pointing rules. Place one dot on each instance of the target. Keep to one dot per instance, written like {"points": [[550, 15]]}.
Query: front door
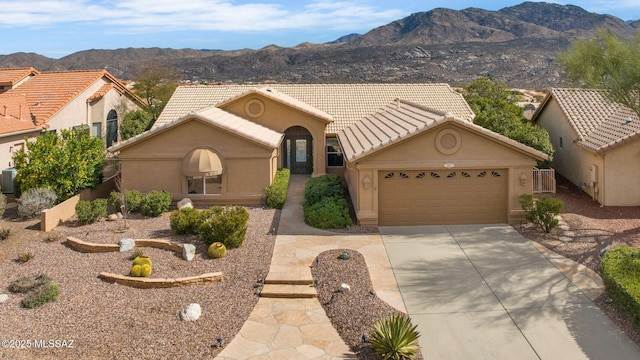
{"points": [[298, 156]]}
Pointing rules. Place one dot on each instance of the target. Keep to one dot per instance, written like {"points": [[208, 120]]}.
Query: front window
{"points": [[204, 185], [96, 129], [334, 153]]}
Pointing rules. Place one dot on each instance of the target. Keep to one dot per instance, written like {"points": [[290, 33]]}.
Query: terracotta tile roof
{"points": [[14, 115], [401, 120], [218, 118], [104, 90], [599, 123], [49, 92], [346, 103], [11, 76]]}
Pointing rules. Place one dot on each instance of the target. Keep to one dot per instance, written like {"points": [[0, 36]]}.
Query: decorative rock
{"points": [[345, 287], [185, 203], [188, 251], [3, 298], [126, 244], [112, 217], [191, 312]]}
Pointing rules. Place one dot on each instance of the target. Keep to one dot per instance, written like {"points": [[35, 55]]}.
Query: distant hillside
{"points": [[517, 45]]}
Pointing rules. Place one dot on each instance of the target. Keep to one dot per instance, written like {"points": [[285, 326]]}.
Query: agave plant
{"points": [[395, 338]]}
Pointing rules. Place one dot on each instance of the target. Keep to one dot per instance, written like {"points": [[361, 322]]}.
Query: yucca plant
{"points": [[394, 337]]}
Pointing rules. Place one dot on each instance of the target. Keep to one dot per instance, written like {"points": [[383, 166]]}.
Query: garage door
{"points": [[442, 197]]}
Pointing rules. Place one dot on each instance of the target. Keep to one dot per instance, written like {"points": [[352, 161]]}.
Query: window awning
{"points": [[201, 162]]}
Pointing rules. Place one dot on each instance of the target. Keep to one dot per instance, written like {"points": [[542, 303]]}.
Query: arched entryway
{"points": [[112, 128], [297, 150]]}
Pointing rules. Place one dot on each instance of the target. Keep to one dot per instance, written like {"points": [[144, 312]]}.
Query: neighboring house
{"points": [[596, 142], [32, 102], [406, 162]]}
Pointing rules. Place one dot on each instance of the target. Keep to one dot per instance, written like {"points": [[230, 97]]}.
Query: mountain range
{"points": [[517, 45]]}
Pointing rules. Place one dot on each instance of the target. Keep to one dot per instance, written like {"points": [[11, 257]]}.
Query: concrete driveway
{"points": [[484, 292]]}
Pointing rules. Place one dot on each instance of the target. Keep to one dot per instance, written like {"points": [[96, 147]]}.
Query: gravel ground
{"points": [[352, 313], [111, 321], [595, 228]]}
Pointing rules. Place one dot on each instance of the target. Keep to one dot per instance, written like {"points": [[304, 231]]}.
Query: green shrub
{"points": [[66, 162], [321, 187], [40, 296], [542, 212], [24, 257], [34, 200], [90, 211], [132, 199], [620, 271], [155, 203], [394, 337], [276, 193], [329, 213], [186, 221], [227, 225], [4, 232]]}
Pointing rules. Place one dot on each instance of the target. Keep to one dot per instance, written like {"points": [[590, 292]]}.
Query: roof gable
{"points": [[345, 103], [599, 123], [402, 120], [12, 76], [218, 118], [282, 98]]}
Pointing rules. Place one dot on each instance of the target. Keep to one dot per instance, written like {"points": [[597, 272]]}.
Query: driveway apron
{"points": [[485, 292]]}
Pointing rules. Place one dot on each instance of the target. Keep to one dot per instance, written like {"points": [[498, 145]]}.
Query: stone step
{"points": [[289, 281], [292, 277], [288, 291]]}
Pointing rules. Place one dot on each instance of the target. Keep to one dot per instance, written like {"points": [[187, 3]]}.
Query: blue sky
{"points": [[56, 28]]}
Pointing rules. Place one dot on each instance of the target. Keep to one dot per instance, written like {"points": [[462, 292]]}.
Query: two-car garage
{"points": [[411, 165], [431, 197]]}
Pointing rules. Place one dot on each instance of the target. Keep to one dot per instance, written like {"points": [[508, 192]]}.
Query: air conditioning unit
{"points": [[8, 176]]}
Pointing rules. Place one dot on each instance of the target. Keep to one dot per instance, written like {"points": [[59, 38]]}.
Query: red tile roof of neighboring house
{"points": [[10, 76], [14, 115], [101, 92], [48, 92], [599, 123]]}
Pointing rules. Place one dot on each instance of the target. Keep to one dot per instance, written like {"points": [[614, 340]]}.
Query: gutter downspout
{"points": [[88, 116]]}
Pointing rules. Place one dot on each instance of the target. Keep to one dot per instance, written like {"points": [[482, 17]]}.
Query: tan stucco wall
{"points": [[420, 153], [614, 171], [620, 176], [156, 163], [280, 117]]}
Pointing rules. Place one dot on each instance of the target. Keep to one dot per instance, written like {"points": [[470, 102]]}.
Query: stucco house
{"points": [[32, 102], [409, 153], [597, 143]]}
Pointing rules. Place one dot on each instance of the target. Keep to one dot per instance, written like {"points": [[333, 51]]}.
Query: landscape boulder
{"points": [[191, 312], [126, 244], [185, 203], [188, 251]]}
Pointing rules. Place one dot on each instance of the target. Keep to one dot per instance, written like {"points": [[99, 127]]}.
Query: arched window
{"points": [[203, 171], [112, 127]]}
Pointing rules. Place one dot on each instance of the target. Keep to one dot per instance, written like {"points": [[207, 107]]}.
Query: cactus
{"points": [[146, 270], [142, 260], [217, 250], [136, 270]]}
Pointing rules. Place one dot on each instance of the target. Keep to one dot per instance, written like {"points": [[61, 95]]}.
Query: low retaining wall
{"points": [[150, 283], [97, 248], [50, 218]]}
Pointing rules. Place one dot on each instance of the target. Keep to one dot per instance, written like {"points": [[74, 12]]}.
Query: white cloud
{"points": [[136, 16]]}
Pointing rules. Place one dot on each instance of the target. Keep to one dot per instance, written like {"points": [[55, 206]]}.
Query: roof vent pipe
{"points": [[4, 113]]}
